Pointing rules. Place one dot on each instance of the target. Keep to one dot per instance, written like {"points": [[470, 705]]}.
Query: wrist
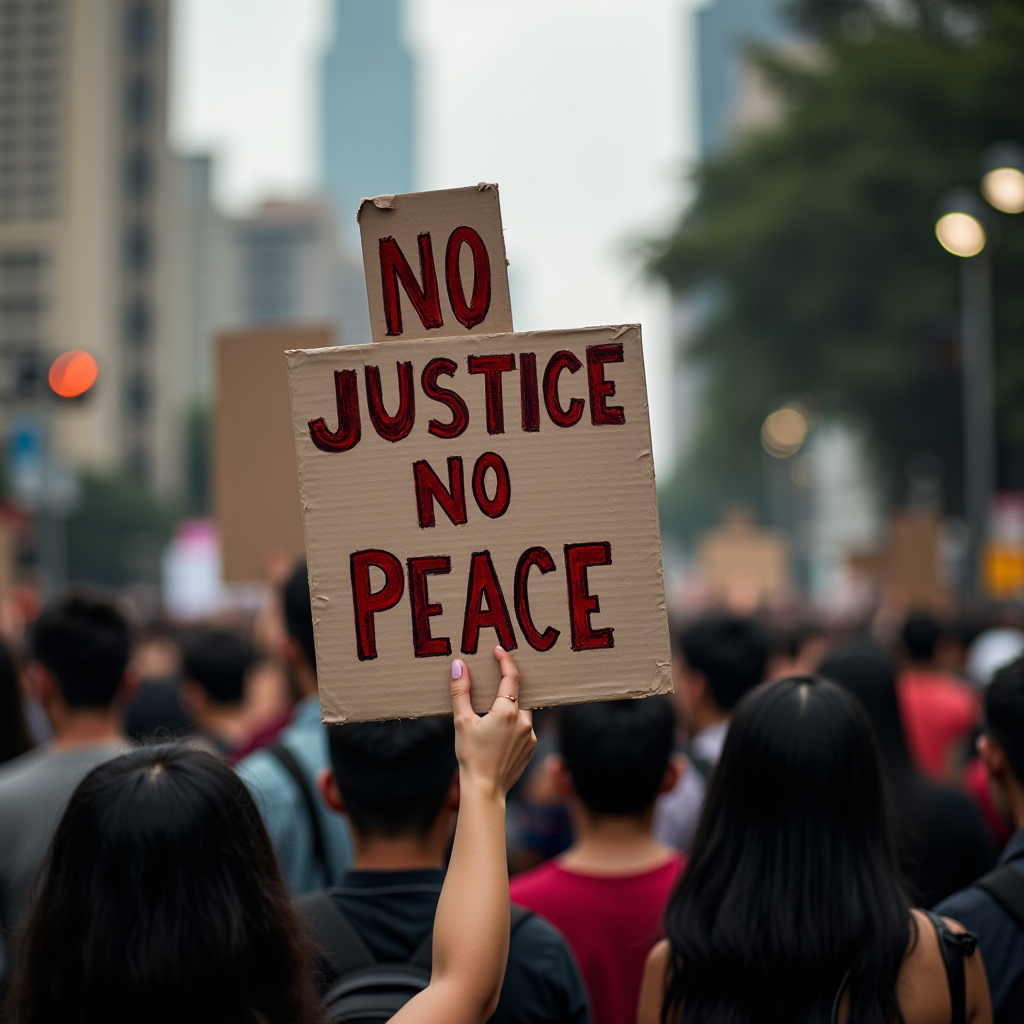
{"points": [[480, 789]]}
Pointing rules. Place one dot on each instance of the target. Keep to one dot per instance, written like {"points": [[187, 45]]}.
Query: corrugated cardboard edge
{"points": [[388, 200], [661, 674]]}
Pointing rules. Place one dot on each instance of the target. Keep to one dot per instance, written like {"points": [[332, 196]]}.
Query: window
{"points": [[138, 100], [22, 298], [140, 27], [138, 247], [138, 323], [138, 173], [138, 397]]}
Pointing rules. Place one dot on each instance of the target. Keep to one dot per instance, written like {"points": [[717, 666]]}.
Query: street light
{"points": [[1002, 181], [962, 229]]}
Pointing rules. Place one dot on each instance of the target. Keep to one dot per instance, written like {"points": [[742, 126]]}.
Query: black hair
{"points": [[920, 635], [298, 612], [161, 900], [218, 660], [866, 673], [1004, 713], [15, 737], [729, 651], [793, 878], [394, 776], [84, 640], [617, 751]]}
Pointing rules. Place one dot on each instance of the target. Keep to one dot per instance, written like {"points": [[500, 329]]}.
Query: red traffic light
{"points": [[73, 373]]}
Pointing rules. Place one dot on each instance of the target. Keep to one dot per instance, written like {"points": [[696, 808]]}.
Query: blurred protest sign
{"points": [[462, 492], [744, 566], [435, 264], [1003, 555], [255, 486], [913, 558]]}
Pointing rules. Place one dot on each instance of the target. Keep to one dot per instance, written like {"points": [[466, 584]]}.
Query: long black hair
{"points": [[793, 879], [161, 901]]}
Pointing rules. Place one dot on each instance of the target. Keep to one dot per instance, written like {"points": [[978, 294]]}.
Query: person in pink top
{"points": [[606, 893], [940, 712]]}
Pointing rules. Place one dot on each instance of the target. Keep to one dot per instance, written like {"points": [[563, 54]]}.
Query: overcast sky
{"points": [[582, 111]]}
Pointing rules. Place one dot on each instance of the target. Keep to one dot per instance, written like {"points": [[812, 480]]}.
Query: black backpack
{"points": [[361, 989]]}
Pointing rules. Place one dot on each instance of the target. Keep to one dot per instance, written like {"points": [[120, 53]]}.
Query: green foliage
{"points": [[116, 535], [813, 244]]}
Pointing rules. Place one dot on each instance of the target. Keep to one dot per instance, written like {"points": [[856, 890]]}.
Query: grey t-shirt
{"points": [[34, 790]]}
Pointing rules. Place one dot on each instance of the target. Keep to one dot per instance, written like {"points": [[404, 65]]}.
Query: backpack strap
{"points": [[1006, 886], [954, 947], [340, 944], [286, 759], [423, 957]]}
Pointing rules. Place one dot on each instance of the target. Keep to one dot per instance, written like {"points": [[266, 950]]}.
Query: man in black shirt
{"points": [[398, 783], [993, 908]]}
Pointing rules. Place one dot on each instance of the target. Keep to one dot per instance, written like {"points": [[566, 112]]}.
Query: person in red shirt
{"points": [[606, 893], [940, 712]]}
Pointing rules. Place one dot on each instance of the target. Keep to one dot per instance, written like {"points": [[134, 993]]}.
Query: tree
{"points": [[812, 244]]}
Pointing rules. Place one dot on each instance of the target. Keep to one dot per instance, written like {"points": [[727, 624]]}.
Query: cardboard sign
{"points": [[745, 566], [463, 492], [435, 264], [255, 485]]}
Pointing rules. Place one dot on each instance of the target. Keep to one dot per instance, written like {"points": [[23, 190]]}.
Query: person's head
{"points": [[81, 644], [1002, 744], [161, 900], [724, 656], [15, 737], [215, 663], [299, 647], [793, 877], [868, 675], [393, 779], [616, 756], [920, 637]]}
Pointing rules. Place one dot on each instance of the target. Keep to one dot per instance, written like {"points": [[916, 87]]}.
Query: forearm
{"points": [[471, 928]]}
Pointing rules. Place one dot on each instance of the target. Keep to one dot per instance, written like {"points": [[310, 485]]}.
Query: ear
{"points": [[129, 687], [39, 682], [674, 769], [994, 758], [560, 777], [192, 695], [290, 651], [327, 787], [454, 797]]}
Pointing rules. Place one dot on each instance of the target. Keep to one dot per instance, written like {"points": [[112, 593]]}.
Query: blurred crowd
{"points": [[182, 838]]}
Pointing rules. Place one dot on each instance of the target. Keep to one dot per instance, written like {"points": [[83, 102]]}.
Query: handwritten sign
{"points": [[470, 491], [435, 264]]}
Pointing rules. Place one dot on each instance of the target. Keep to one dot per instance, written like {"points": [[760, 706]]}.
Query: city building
{"points": [[88, 252], [367, 127], [290, 270]]}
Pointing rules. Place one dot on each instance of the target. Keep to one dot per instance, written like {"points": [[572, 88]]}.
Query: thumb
{"points": [[462, 704]]}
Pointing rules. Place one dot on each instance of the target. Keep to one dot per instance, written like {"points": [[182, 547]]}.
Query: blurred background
{"points": [[813, 208]]}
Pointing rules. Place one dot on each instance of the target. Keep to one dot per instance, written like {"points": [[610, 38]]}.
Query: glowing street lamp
{"points": [[1002, 181], [962, 228]]}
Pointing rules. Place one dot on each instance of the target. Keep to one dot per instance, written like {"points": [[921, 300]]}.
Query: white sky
{"points": [[582, 111]]}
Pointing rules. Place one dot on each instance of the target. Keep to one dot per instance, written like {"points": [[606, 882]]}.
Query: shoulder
{"points": [[14, 773], [264, 776], [652, 987], [923, 987]]}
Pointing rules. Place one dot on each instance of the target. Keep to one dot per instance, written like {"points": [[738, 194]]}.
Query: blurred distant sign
{"points": [[744, 566], [255, 482], [1003, 556], [913, 558], [26, 459], [435, 264]]}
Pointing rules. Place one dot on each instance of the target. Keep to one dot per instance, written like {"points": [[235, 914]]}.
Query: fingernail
{"points": [[500, 649], [456, 670]]}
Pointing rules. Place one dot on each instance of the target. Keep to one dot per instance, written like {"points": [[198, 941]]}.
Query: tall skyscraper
{"points": [[367, 122], [87, 248], [724, 29]]}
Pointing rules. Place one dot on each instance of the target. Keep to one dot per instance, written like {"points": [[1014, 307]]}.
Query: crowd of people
{"points": [[818, 826]]}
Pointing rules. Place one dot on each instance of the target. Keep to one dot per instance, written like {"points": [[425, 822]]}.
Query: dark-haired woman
{"points": [[161, 900], [943, 843], [15, 737], [791, 910]]}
